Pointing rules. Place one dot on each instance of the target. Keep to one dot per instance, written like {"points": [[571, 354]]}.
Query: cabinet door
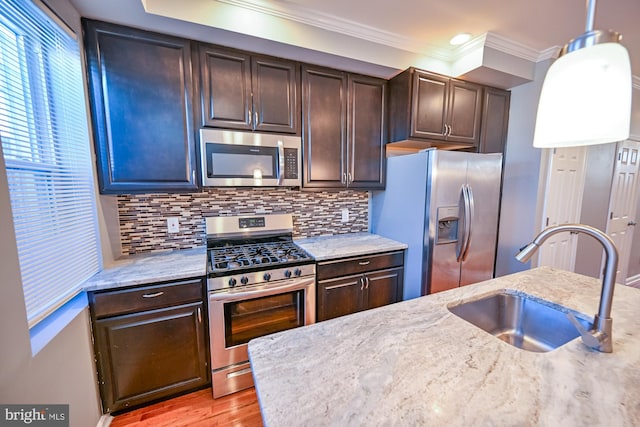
{"points": [[149, 355], [339, 297], [366, 125], [384, 287], [464, 111], [276, 106], [429, 105], [324, 111], [226, 88], [495, 120], [141, 96]]}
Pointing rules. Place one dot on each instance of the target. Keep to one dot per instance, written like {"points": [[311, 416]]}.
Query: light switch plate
{"points": [[173, 224]]}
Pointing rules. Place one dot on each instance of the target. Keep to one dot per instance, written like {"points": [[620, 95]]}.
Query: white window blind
{"points": [[45, 144]]}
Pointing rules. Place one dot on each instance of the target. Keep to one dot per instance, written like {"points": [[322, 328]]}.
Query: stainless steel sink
{"points": [[521, 320]]}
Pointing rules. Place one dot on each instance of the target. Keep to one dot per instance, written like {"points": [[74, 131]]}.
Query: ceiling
{"points": [[380, 36]]}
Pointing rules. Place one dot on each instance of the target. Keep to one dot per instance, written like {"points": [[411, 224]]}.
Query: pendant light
{"points": [[586, 94]]}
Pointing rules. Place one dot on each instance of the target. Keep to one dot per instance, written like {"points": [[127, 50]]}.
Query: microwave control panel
{"points": [[290, 163]]}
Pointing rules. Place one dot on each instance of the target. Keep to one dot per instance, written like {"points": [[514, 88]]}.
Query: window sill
{"points": [[45, 331]]}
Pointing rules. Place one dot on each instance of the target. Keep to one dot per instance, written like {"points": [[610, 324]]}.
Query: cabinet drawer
{"points": [[145, 298], [345, 267]]}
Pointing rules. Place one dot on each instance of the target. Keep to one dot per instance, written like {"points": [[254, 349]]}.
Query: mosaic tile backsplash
{"points": [[143, 217]]}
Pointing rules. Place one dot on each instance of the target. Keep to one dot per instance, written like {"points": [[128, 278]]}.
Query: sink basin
{"points": [[521, 320]]}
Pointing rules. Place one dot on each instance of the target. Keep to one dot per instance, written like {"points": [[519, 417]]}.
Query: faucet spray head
{"points": [[526, 252]]}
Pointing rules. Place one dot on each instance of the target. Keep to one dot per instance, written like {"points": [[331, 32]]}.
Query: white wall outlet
{"points": [[345, 215], [173, 224]]}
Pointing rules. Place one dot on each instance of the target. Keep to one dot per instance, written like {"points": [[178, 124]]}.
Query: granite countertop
{"points": [[415, 363], [345, 245], [150, 268]]}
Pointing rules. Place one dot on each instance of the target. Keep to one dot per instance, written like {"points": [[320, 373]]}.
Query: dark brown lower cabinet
{"points": [[157, 350], [374, 281]]}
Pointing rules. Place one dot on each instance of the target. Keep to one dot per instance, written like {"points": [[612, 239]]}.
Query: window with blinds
{"points": [[45, 144]]}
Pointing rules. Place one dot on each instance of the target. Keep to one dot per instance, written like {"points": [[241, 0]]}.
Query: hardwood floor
{"points": [[197, 409]]}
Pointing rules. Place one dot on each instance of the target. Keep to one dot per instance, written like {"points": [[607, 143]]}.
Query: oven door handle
{"points": [[261, 291]]}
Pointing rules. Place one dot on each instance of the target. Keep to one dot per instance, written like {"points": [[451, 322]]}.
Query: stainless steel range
{"points": [[259, 282]]}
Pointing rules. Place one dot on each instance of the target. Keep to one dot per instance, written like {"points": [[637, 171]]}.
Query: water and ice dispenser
{"points": [[448, 217]]}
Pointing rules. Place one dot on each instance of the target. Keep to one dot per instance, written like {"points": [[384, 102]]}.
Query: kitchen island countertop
{"points": [[415, 363], [323, 248], [150, 267]]}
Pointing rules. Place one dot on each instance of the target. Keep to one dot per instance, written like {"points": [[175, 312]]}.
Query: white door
{"points": [[623, 203], [563, 202]]}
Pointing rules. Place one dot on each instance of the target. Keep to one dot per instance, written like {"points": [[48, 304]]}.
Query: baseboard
{"points": [[105, 420], [633, 281]]}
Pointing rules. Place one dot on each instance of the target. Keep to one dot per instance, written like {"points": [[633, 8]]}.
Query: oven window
{"points": [[248, 319]]}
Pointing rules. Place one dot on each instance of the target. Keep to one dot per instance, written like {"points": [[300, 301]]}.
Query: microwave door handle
{"points": [[280, 163]]}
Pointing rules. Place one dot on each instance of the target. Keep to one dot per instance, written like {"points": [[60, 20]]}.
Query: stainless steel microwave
{"points": [[249, 159]]}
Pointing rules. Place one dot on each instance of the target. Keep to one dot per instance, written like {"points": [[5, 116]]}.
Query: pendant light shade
{"points": [[586, 94], [586, 98]]}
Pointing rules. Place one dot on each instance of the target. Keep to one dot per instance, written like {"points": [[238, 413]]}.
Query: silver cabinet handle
{"points": [[349, 178], [199, 315], [365, 262], [361, 280], [255, 119], [367, 279], [157, 294]]}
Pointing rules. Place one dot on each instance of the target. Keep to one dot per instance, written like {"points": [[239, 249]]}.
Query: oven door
{"points": [[241, 314]]}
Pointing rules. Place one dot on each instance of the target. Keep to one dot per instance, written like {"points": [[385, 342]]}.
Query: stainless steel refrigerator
{"points": [[444, 205]]}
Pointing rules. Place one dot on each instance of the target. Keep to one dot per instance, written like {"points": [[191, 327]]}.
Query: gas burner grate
{"points": [[229, 258]]}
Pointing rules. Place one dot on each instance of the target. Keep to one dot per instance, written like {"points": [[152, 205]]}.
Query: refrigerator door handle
{"points": [[462, 232], [468, 220]]}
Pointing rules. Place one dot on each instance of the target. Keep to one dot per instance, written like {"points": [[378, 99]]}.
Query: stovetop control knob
{"points": [[297, 272], [232, 282], [244, 280], [267, 276], [287, 274]]}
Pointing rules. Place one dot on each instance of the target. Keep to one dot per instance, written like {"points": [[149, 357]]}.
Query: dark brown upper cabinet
{"points": [[429, 106], [247, 92], [343, 129], [495, 120], [141, 99]]}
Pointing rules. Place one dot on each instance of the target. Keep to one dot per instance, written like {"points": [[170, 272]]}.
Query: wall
{"points": [[63, 371], [520, 188]]}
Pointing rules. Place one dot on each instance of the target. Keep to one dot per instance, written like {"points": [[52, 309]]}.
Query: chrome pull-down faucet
{"points": [[599, 337]]}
